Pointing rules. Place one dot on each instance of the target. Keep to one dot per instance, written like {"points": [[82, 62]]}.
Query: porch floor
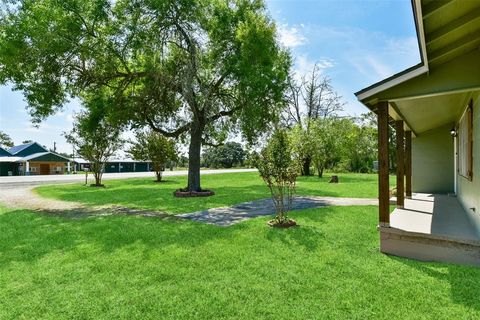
{"points": [[435, 214]]}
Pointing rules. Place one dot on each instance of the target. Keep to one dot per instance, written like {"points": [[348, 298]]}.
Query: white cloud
{"points": [[291, 36], [304, 65], [325, 63], [379, 67]]}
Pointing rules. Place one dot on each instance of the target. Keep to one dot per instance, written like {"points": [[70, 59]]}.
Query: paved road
{"points": [[19, 181]]}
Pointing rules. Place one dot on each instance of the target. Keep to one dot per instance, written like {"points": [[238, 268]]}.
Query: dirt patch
{"points": [[27, 198]]}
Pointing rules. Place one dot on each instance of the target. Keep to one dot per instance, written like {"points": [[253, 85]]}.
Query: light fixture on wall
{"points": [[453, 132]]}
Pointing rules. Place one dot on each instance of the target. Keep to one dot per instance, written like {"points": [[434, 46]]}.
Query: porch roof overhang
{"points": [[432, 93], [9, 159]]}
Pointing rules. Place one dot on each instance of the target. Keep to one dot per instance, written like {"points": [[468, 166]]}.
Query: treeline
{"points": [[321, 138]]}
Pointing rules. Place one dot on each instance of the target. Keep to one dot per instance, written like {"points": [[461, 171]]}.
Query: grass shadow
{"points": [[230, 189], [305, 235], [28, 236], [462, 280]]}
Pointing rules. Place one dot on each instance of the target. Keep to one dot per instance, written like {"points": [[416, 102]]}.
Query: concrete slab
{"points": [[436, 214], [432, 227]]}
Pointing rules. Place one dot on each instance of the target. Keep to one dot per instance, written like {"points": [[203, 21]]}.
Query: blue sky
{"points": [[356, 42]]}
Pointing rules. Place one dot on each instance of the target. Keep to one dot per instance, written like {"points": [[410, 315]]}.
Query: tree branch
{"points": [[222, 114], [211, 144], [170, 134]]}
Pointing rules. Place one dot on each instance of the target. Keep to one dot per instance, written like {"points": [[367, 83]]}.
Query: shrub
{"points": [[279, 168]]}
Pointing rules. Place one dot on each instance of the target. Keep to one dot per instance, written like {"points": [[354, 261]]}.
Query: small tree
{"points": [[154, 147], [95, 140], [279, 168]]}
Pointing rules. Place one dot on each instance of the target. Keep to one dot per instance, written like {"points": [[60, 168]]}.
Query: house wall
{"points": [[111, 167], [6, 167], [469, 191], [54, 168], [433, 161]]}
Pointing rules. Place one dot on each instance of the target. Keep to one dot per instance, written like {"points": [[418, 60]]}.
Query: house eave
{"points": [[407, 74], [390, 82]]}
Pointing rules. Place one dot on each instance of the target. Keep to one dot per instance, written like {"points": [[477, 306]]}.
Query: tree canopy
{"points": [[94, 137], [185, 68], [154, 147], [5, 140], [310, 98], [227, 155]]}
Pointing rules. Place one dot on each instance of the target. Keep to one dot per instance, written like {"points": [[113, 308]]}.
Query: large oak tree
{"points": [[192, 69]]}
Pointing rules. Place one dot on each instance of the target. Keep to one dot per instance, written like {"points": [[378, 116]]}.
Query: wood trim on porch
{"points": [[400, 137], [383, 165]]}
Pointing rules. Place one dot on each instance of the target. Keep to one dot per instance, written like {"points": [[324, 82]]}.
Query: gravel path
{"points": [[227, 216], [26, 198], [17, 192], [22, 196]]}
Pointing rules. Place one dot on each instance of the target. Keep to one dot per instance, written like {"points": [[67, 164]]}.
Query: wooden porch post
{"points": [[383, 165], [408, 164], [400, 134]]}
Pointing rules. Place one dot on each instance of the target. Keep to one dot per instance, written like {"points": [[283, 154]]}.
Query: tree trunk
{"points": [[320, 172], [196, 133], [306, 166], [97, 168], [98, 178], [159, 175]]}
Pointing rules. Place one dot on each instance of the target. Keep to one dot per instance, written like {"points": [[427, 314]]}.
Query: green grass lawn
{"points": [[230, 188], [131, 267]]}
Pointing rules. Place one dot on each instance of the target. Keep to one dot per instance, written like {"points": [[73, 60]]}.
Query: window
{"points": [[465, 143]]}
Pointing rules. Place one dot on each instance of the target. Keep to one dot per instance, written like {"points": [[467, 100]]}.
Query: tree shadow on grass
{"points": [[305, 235], [155, 197], [28, 236], [464, 281], [160, 197]]}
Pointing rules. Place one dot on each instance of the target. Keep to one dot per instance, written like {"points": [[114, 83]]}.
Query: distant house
{"points": [[31, 159], [34, 159], [435, 110]]}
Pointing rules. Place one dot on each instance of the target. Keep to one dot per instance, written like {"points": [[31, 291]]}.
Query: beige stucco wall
{"points": [[433, 161], [469, 191]]}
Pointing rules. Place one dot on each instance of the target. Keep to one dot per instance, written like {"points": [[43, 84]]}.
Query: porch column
{"points": [[27, 168], [134, 167], [68, 166], [408, 164], [383, 165], [400, 134]]}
